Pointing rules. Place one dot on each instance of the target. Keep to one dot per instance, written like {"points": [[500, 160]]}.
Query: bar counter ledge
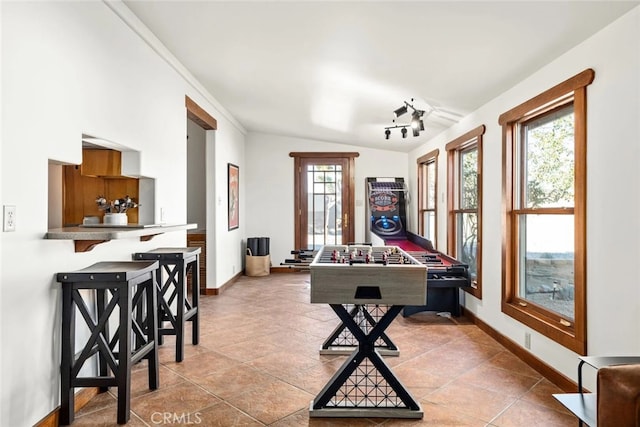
{"points": [[86, 237]]}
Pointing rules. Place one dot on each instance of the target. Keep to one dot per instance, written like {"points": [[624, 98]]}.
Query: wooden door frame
{"points": [[199, 116], [348, 188]]}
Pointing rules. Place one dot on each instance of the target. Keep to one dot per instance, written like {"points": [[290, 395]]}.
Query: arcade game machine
{"points": [[386, 211]]}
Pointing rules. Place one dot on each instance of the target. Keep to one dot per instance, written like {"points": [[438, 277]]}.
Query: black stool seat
{"points": [[130, 287], [174, 306]]}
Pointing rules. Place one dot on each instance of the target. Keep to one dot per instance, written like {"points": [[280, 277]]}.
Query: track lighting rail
{"points": [[416, 124]]}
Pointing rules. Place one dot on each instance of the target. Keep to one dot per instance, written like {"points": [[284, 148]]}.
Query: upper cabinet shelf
{"points": [[101, 163]]}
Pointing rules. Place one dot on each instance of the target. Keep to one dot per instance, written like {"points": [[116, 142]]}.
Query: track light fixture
{"points": [[416, 124], [400, 111], [416, 120], [403, 130]]}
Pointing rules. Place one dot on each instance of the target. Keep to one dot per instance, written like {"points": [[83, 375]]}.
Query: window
{"points": [[465, 203], [428, 195], [544, 185]]}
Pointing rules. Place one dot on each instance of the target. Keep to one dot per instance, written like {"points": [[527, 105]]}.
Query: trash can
{"points": [[257, 258]]}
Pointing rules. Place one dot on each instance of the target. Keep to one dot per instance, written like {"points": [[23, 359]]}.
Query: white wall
{"points": [[70, 68], [1, 199], [229, 148], [613, 194], [269, 181]]}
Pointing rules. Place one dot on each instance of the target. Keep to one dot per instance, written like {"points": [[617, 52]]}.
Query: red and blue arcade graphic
{"points": [[387, 206]]}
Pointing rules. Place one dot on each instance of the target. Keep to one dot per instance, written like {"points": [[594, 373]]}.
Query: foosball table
{"points": [[445, 276], [366, 276]]}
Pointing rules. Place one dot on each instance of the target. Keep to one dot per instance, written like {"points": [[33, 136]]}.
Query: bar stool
{"points": [[176, 264], [130, 287]]}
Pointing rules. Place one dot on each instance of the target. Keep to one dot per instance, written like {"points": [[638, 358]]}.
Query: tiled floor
{"points": [[258, 364]]}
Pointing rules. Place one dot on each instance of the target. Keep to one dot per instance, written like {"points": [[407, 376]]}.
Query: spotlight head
{"points": [[387, 132], [416, 119], [416, 132], [400, 111], [404, 132], [421, 124]]}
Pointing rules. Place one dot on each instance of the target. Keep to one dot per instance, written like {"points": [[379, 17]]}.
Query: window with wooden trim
{"points": [[464, 225], [544, 186], [428, 196]]}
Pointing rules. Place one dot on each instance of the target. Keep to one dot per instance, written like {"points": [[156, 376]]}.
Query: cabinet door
{"points": [[200, 240], [101, 162], [80, 194]]}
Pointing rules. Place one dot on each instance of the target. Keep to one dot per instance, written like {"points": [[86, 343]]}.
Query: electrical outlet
{"points": [[9, 213], [527, 340], [162, 215]]}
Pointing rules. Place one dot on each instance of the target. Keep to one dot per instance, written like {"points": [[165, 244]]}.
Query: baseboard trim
{"points": [[224, 286], [287, 270], [563, 382], [82, 397]]}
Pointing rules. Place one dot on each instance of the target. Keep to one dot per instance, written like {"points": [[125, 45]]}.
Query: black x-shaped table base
{"points": [[365, 386], [342, 342]]}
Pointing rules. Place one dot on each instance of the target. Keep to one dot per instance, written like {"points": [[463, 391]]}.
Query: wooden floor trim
{"points": [[288, 270], [82, 397], [565, 383], [225, 285]]}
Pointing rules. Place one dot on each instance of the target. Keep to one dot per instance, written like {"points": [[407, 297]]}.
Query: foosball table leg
{"points": [[342, 342], [365, 386]]}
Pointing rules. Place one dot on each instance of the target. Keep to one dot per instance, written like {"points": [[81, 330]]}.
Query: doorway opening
{"points": [[324, 199], [199, 168]]}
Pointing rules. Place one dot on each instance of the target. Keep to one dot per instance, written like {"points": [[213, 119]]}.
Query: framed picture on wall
{"points": [[233, 175]]}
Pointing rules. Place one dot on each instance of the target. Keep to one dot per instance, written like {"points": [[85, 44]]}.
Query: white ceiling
{"points": [[335, 71]]}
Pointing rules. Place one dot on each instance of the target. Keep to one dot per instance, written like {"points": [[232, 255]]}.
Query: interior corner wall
{"points": [[269, 185], [613, 194], [1, 199], [229, 147]]}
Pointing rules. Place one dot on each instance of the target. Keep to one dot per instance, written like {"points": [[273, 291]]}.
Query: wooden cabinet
{"points": [[80, 193], [99, 162], [198, 238]]}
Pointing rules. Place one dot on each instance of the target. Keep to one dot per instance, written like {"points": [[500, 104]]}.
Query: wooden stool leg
{"points": [[181, 285], [123, 376], [195, 291], [101, 302], [67, 401], [152, 331], [159, 284]]}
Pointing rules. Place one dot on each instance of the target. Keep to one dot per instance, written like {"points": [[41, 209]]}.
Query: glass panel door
{"points": [[324, 205]]}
